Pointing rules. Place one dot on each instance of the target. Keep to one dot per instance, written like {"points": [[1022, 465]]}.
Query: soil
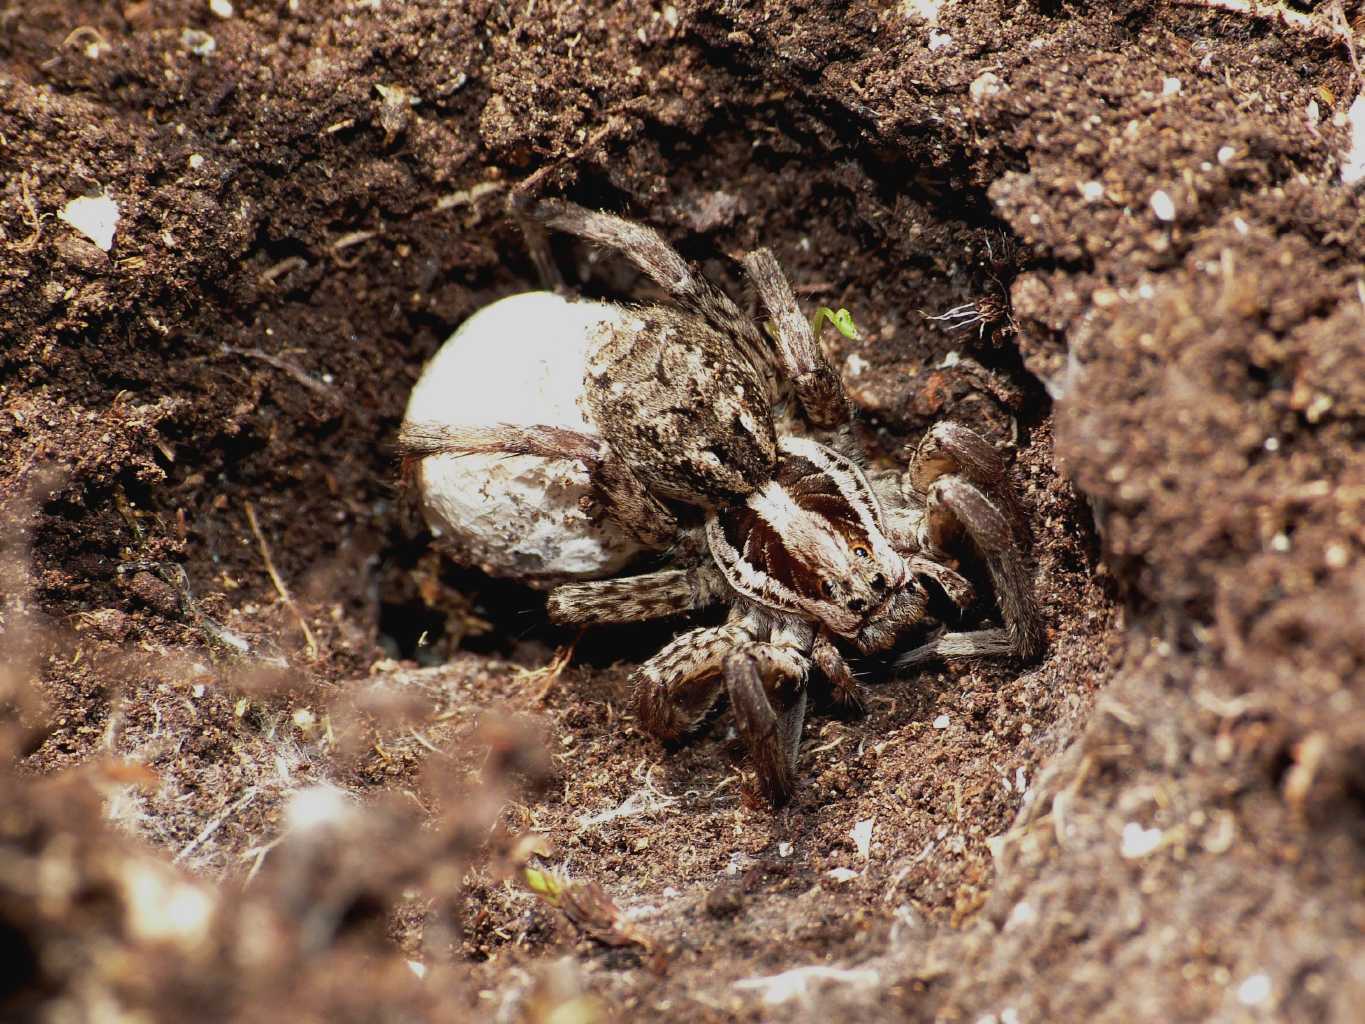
{"points": [[219, 802]]}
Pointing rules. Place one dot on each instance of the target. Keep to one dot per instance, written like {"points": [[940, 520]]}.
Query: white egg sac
{"points": [[521, 361]]}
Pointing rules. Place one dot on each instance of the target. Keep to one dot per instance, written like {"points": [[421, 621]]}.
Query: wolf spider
{"points": [[732, 451]]}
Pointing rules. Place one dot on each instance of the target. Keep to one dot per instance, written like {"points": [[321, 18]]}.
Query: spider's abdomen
{"points": [[687, 411]]}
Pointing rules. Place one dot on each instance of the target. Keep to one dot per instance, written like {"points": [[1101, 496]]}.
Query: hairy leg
{"points": [[962, 482], [647, 249], [978, 643], [621, 493], [818, 386], [950, 447], [768, 697], [677, 687], [537, 245], [651, 595], [956, 505]]}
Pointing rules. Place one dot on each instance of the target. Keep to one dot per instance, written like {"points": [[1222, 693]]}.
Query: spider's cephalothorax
{"points": [[770, 513], [811, 543]]}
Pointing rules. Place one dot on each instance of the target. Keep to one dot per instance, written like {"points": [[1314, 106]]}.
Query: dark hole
{"points": [[20, 960], [366, 913]]}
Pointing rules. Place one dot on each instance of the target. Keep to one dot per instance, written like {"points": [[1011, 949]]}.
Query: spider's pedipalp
{"points": [[955, 585], [848, 692]]}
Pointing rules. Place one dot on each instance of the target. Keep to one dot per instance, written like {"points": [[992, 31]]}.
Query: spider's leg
{"points": [[677, 687], [956, 505], [651, 595], [768, 697], [622, 494], [537, 241], [963, 484], [977, 643], [818, 386], [950, 447], [647, 249]]}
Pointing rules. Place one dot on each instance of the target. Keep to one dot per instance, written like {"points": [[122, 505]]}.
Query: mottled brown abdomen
{"points": [[688, 412]]}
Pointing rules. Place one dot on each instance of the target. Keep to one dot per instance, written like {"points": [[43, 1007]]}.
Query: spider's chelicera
{"points": [[730, 450]]}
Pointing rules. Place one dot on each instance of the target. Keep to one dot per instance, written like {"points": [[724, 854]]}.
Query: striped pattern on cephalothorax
{"points": [[811, 541]]}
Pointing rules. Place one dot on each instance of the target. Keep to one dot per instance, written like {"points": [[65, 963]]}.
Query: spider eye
{"points": [[861, 552], [827, 588]]}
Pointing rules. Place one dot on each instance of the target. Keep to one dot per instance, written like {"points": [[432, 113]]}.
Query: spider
{"points": [[730, 451]]}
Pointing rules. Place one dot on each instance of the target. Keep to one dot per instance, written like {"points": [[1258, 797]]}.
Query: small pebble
{"points": [[1139, 841], [941, 722], [985, 85], [725, 899], [1254, 991], [862, 837], [1163, 206], [95, 217], [198, 42]]}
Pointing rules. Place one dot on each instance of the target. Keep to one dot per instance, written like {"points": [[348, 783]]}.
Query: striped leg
{"points": [[651, 595], [647, 249], [677, 687], [818, 386], [625, 498], [767, 685]]}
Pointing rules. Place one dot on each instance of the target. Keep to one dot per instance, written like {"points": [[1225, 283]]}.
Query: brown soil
{"points": [[205, 814]]}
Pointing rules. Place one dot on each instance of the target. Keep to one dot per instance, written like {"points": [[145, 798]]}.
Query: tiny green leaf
{"points": [[841, 318], [543, 884]]}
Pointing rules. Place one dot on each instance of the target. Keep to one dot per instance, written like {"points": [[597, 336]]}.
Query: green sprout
{"points": [[842, 320], [544, 884]]}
